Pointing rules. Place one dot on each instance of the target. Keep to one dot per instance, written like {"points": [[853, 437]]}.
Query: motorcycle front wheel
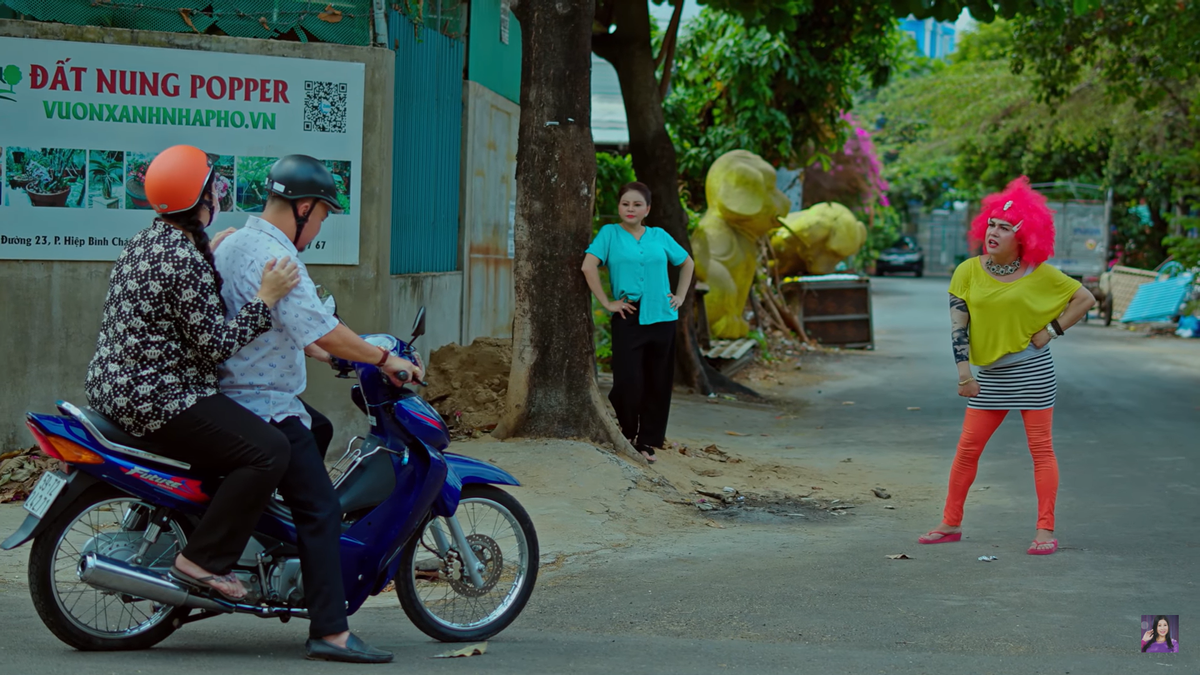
{"points": [[437, 593], [105, 522]]}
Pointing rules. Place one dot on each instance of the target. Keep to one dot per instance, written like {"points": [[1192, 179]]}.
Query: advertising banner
{"points": [[80, 122]]}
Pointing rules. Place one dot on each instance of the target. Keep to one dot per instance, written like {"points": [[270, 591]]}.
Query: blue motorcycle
{"points": [[461, 552]]}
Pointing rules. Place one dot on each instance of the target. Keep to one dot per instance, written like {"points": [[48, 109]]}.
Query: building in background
{"points": [[935, 39]]}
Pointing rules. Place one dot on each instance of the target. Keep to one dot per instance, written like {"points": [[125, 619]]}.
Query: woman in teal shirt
{"points": [[644, 313]]}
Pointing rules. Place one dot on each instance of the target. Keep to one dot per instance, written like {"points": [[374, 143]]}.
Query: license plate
{"points": [[47, 490]]}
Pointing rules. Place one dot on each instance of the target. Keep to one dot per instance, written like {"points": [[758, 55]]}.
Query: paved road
{"points": [[776, 597]]}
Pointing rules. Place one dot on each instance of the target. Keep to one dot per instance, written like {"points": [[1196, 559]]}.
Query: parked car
{"points": [[903, 256]]}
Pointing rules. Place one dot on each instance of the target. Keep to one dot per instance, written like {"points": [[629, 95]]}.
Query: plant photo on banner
{"points": [[136, 164], [224, 182], [106, 179], [252, 183], [46, 177], [342, 172]]}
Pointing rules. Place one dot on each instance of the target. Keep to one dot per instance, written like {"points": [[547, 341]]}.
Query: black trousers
{"points": [[307, 491], [322, 429], [643, 366], [221, 437]]}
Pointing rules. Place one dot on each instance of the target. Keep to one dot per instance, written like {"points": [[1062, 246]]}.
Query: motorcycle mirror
{"points": [[419, 324], [327, 300]]}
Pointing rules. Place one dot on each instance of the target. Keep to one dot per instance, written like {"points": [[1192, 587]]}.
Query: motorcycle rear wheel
{"points": [[88, 618], [436, 594]]}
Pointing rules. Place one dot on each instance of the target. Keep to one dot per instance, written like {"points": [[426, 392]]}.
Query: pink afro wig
{"points": [[1020, 204]]}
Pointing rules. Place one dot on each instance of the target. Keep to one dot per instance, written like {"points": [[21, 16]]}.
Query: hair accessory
{"points": [[1032, 220]]}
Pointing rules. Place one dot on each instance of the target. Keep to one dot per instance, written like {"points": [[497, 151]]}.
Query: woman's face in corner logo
{"points": [[1163, 628]]}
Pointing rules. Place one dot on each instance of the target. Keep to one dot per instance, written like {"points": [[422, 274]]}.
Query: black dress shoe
{"points": [[355, 651]]}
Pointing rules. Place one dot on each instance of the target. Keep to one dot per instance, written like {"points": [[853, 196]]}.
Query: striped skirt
{"points": [[1027, 385]]}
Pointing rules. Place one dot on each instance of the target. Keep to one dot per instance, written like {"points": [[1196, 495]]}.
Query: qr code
{"points": [[325, 107]]}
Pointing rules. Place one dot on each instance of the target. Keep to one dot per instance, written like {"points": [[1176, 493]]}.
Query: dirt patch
{"points": [[467, 385]]}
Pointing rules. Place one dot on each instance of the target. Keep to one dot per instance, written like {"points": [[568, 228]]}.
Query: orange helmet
{"points": [[176, 178]]}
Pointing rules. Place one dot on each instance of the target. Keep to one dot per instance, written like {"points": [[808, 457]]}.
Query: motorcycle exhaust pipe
{"points": [[121, 577]]}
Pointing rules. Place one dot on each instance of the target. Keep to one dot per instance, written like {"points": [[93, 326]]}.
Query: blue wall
{"points": [[427, 148], [490, 62]]}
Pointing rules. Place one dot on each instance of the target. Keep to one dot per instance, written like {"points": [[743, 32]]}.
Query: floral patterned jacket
{"points": [[163, 332]]}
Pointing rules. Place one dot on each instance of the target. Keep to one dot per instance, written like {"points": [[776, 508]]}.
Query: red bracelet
{"points": [[383, 360]]}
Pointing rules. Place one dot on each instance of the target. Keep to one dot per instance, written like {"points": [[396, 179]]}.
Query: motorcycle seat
{"points": [[112, 436]]}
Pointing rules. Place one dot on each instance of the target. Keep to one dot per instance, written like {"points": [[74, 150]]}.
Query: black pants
{"points": [[643, 366], [322, 429], [307, 491], [221, 437]]}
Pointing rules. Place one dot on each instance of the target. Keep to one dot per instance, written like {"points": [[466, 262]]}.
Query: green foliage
{"points": [[779, 94], [53, 169], [612, 171], [961, 131], [764, 347], [1186, 249], [602, 322], [252, 182], [883, 229], [106, 169]]}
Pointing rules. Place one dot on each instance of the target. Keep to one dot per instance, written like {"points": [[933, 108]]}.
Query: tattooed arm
{"points": [[960, 319]]}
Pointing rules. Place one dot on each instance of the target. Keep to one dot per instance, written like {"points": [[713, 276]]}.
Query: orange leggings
{"points": [[978, 427]]}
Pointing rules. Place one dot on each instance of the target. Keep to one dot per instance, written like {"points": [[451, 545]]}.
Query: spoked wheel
{"points": [[437, 592], [87, 618]]}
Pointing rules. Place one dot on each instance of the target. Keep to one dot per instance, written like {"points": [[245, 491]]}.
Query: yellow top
{"points": [[1004, 316]]}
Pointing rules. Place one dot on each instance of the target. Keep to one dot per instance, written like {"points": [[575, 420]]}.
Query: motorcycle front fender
{"points": [[471, 470], [465, 471], [77, 483]]}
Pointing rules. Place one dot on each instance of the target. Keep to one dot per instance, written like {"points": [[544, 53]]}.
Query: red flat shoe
{"points": [[946, 537], [1034, 550]]}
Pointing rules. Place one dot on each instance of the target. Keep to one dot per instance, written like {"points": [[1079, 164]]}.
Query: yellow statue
{"points": [[743, 205], [815, 240]]}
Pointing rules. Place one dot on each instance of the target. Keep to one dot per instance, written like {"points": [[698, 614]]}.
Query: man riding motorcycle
{"points": [[268, 376]]}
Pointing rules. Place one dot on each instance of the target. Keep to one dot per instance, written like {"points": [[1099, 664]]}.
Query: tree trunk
{"points": [[552, 387], [629, 51]]}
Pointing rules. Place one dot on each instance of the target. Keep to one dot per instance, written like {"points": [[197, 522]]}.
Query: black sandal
{"points": [[647, 452]]}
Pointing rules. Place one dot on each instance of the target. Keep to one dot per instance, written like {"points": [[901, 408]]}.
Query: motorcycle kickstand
{"points": [[470, 562]]}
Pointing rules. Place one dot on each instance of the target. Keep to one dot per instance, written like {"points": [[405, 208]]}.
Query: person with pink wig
{"points": [[1006, 305]]}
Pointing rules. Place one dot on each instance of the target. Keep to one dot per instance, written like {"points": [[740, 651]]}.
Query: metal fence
{"points": [[942, 235], [347, 22], [427, 147]]}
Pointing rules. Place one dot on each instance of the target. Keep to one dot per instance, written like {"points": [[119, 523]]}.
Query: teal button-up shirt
{"points": [[638, 268]]}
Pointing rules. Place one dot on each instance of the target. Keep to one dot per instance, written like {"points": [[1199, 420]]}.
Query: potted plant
{"points": [[51, 184], [106, 171], [17, 176], [135, 184]]}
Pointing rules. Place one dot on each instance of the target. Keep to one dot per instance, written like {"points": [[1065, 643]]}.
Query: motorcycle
{"points": [[462, 552]]}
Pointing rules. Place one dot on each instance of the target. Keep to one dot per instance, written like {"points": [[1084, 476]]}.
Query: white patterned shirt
{"points": [[267, 376]]}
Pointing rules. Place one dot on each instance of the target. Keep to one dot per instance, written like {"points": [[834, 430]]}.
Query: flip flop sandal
{"points": [[201, 583], [647, 452], [946, 537], [1034, 550]]}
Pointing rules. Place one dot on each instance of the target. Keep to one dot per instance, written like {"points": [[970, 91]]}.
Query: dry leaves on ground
{"points": [[20, 471], [472, 650]]}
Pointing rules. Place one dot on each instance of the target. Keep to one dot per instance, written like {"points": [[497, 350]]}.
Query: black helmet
{"points": [[302, 177]]}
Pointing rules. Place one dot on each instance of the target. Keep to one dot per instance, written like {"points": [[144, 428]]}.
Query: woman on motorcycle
{"points": [[162, 336]]}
